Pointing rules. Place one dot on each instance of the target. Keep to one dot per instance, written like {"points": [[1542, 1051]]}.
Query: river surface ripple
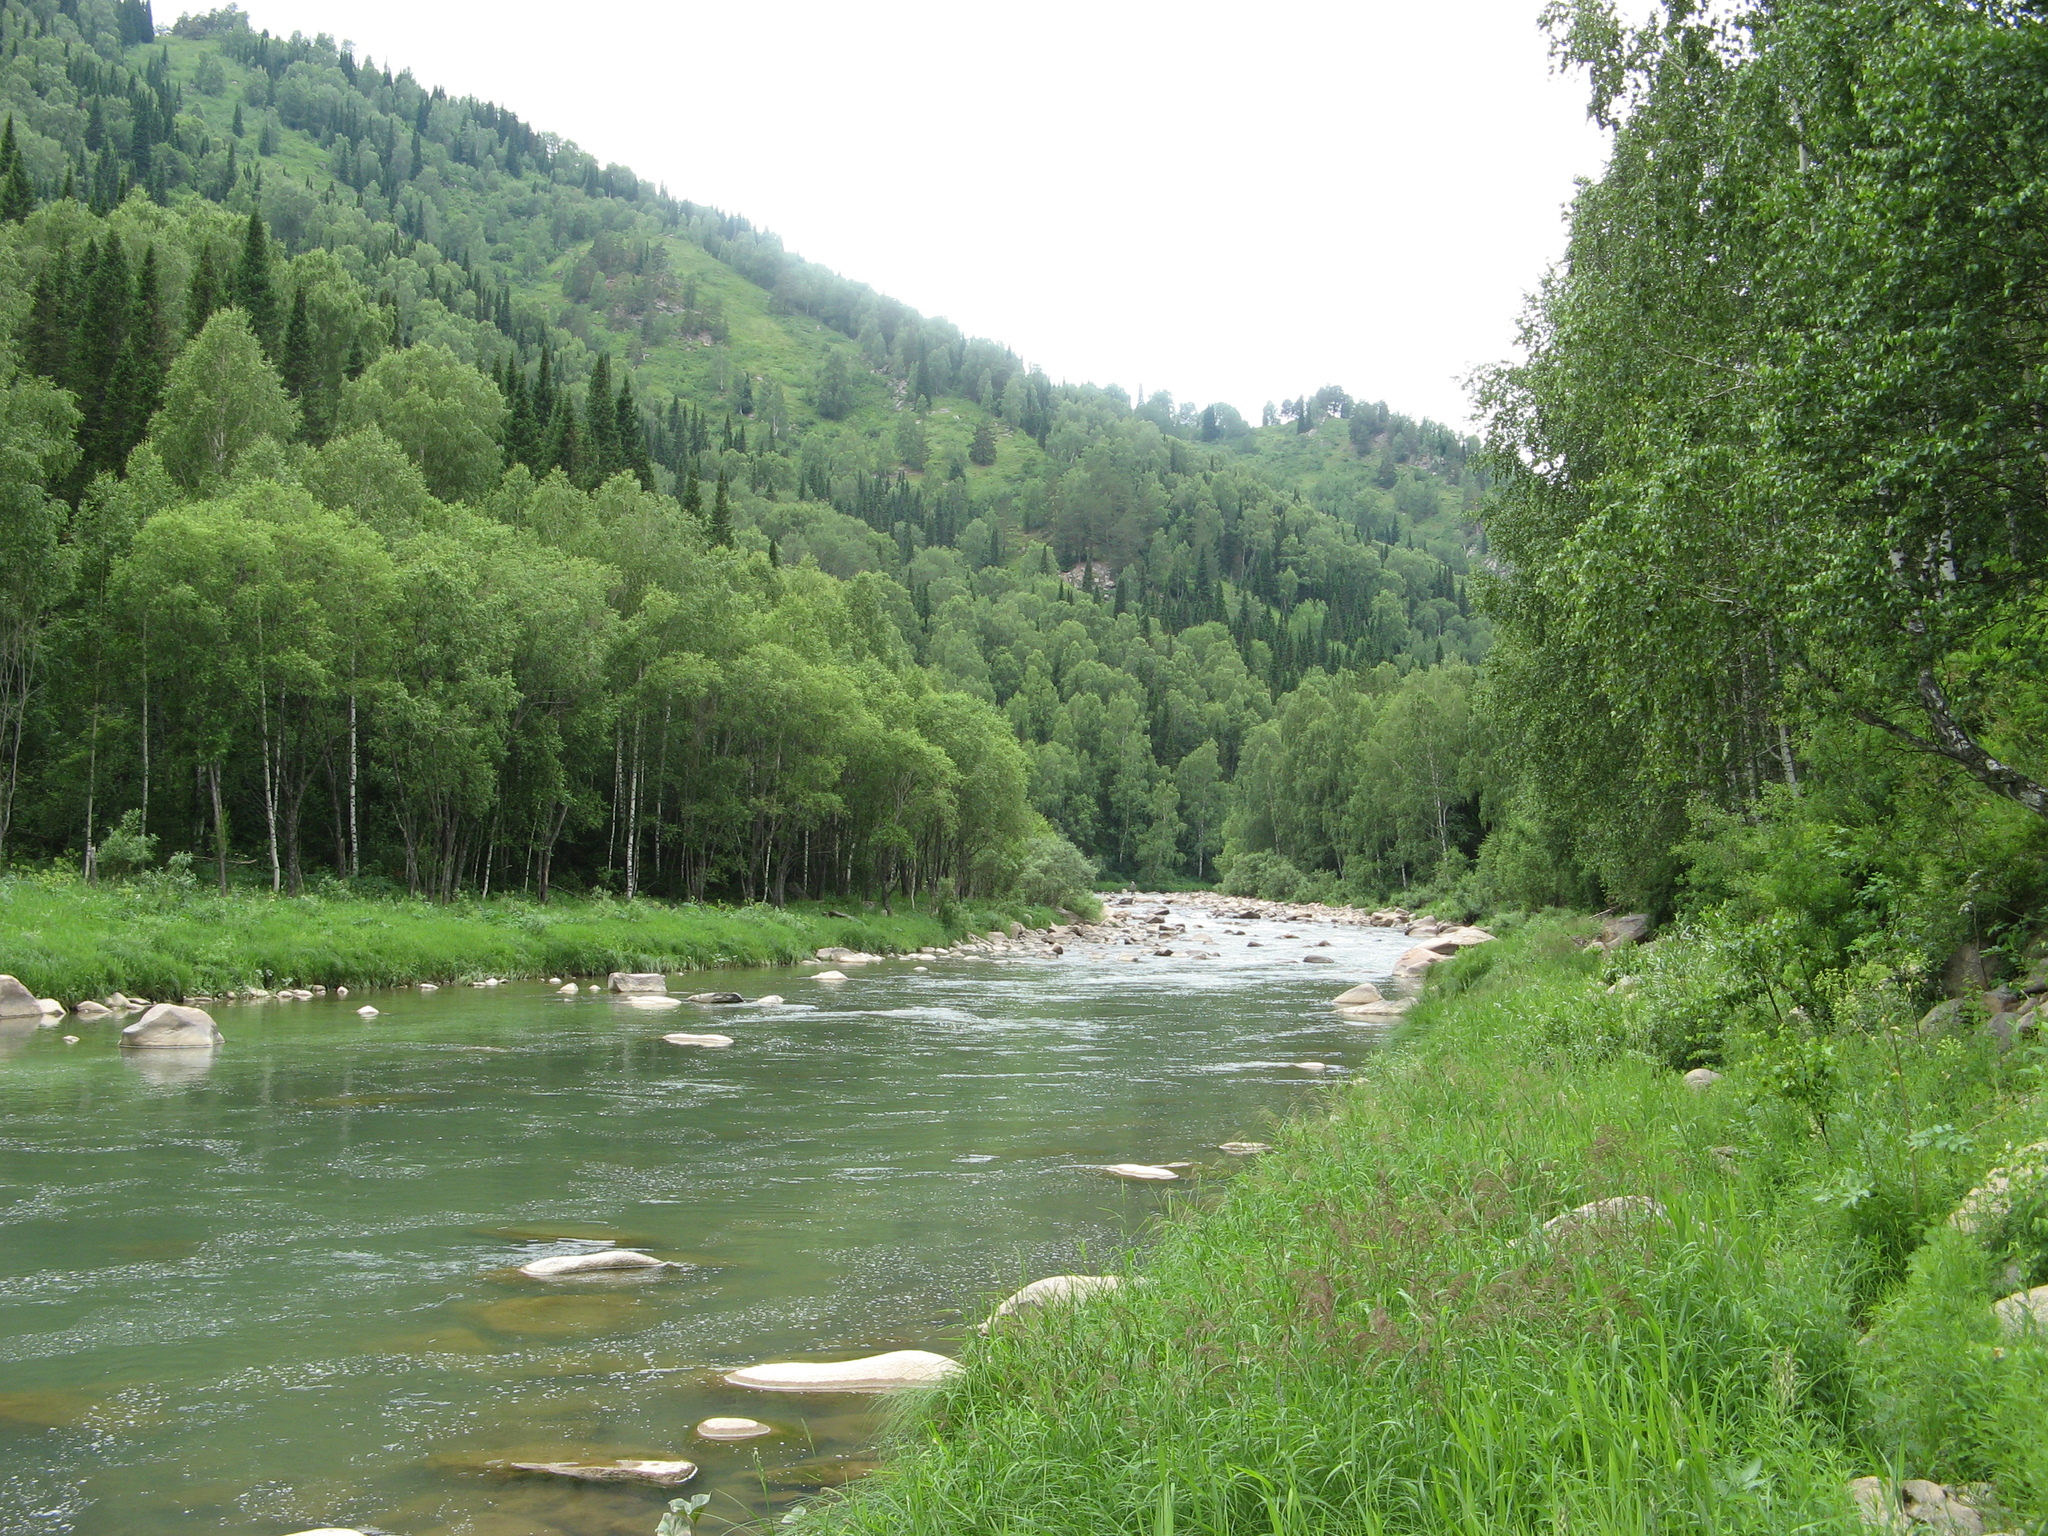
{"points": [[266, 1288]]}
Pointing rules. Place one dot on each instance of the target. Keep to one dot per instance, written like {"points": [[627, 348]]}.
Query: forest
{"points": [[399, 494]]}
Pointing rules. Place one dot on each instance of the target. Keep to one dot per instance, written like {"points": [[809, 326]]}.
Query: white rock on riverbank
{"points": [[1052, 1290]]}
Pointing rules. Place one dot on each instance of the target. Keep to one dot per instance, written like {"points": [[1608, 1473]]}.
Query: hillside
{"points": [[1139, 587]]}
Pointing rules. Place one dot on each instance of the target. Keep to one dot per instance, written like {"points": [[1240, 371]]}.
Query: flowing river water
{"points": [[269, 1287]]}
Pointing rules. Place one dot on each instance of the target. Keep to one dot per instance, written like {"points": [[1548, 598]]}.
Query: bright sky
{"points": [[1227, 202]]}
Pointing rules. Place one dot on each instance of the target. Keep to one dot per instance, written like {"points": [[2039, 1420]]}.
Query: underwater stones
{"points": [[1358, 1012], [720, 999], [16, 1001], [733, 1429], [652, 1003], [772, 1000], [830, 976], [1143, 1173], [714, 1042], [876, 1373], [1318, 960], [660, 1474], [565, 1264], [632, 982], [559, 1316], [1311, 1066], [1245, 1148], [1364, 992], [1700, 1079], [168, 1026]]}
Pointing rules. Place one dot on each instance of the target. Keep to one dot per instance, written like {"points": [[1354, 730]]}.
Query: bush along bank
{"points": [[159, 938], [1528, 1275]]}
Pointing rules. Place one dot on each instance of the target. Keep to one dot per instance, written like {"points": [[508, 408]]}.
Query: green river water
{"points": [[267, 1288]]}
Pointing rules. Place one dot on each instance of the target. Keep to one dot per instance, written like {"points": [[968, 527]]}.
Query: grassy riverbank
{"points": [[68, 940], [1368, 1333]]}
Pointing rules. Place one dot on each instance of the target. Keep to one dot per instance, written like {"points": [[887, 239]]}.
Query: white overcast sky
{"points": [[1230, 202]]}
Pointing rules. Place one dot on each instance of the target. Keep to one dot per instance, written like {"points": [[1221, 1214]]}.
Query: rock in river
{"points": [[92, 1010], [716, 997], [367, 1012], [733, 1429], [17, 1002], [876, 1373], [1143, 1172], [1245, 1148], [662, 1474], [637, 981], [830, 976], [1364, 992], [589, 1263], [653, 1003], [709, 1040], [170, 1027]]}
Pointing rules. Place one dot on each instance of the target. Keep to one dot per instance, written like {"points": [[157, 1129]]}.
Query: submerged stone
{"points": [[560, 1316], [1142, 1172], [661, 1474], [733, 1429], [713, 1041]]}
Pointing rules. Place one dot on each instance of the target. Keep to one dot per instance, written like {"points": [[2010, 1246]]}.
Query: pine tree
{"points": [[693, 491], [300, 369], [601, 416], [137, 388], [721, 514], [47, 334], [17, 197], [202, 297], [253, 292], [102, 325], [983, 449], [631, 438]]}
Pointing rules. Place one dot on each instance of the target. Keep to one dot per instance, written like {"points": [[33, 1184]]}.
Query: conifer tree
{"points": [[254, 294], [693, 491], [631, 438], [202, 297], [137, 387], [47, 335], [17, 197], [299, 366], [601, 416], [103, 322], [983, 449], [721, 514]]}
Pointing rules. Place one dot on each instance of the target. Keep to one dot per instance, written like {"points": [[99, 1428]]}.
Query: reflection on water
{"points": [[273, 1286]]}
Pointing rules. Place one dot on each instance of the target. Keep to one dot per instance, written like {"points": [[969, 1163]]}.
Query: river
{"points": [[269, 1288]]}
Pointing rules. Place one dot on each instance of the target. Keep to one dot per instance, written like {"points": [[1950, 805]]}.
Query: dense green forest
{"points": [[398, 492]]}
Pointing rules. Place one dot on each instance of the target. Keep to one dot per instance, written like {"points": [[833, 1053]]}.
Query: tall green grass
{"points": [[68, 940], [1370, 1334]]}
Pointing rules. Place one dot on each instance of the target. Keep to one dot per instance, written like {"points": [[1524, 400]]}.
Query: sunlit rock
{"points": [[715, 1041], [637, 981], [564, 1264], [168, 1026], [733, 1429], [876, 1373]]}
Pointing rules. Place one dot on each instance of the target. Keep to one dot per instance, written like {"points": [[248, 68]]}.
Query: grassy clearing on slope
{"points": [[1369, 1333], [72, 941]]}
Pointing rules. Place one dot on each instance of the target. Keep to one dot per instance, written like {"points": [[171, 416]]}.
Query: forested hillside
{"points": [[398, 490]]}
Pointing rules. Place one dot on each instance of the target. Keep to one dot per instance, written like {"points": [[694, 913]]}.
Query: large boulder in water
{"points": [[876, 1373], [17, 1002], [637, 982], [564, 1264], [168, 1026], [1364, 992]]}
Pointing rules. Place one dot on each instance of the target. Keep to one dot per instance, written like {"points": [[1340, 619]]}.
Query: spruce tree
{"points": [[46, 335], [601, 417], [137, 388], [631, 438], [253, 292], [983, 449], [721, 514], [693, 490], [300, 369], [202, 296], [102, 325], [17, 197]]}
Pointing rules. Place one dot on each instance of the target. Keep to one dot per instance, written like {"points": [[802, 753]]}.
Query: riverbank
{"points": [[1408, 1319], [71, 941]]}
